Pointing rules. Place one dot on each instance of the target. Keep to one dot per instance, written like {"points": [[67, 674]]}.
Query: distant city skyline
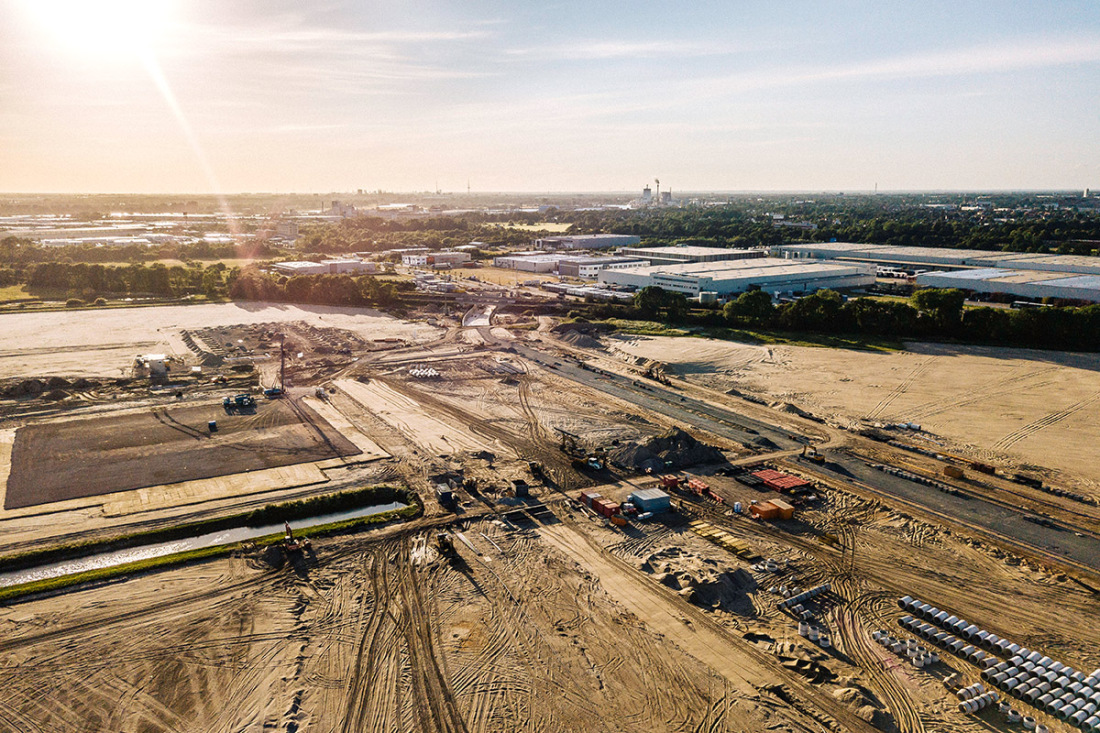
{"points": [[205, 97]]}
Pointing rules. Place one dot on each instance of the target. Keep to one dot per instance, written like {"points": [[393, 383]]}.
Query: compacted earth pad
{"points": [[88, 457]]}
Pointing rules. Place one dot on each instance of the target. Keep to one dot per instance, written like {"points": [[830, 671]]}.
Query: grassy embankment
{"points": [[267, 515], [757, 337]]}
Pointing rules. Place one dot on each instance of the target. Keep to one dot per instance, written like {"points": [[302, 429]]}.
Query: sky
{"points": [[209, 96]]}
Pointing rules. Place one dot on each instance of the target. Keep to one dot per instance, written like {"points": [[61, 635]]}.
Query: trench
{"points": [[198, 542]]}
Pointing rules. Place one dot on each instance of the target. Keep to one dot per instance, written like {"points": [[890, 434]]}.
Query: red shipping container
{"points": [[588, 497], [670, 481], [605, 507]]}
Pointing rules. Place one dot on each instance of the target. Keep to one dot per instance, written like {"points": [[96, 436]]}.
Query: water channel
{"points": [[211, 539]]}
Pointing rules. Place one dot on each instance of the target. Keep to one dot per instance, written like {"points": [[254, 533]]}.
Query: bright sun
{"points": [[103, 28]]}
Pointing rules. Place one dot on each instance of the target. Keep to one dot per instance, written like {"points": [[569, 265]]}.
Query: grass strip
{"points": [[100, 574], [270, 514]]}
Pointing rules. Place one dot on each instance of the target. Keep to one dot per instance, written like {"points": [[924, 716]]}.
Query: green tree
{"points": [[752, 307], [943, 307]]}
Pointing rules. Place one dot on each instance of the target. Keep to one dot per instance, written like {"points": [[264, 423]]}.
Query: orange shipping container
{"points": [[786, 511], [764, 510]]}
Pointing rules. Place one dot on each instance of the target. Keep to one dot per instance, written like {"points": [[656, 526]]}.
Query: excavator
{"points": [[582, 459]]}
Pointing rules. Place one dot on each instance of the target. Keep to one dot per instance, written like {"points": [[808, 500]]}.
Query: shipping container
{"points": [[588, 497], [953, 472], [605, 507], [764, 510], [786, 511], [670, 481]]}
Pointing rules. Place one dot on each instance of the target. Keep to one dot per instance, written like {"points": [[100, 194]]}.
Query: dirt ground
{"points": [[550, 618], [104, 342], [50, 461], [1018, 407]]}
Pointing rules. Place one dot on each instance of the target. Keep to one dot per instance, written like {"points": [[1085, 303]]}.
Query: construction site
{"points": [[613, 534]]}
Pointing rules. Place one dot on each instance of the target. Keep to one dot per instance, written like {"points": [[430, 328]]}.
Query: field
{"points": [[103, 343], [50, 461], [1013, 405], [547, 617]]}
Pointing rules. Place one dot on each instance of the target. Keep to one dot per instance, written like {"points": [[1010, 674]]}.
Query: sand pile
{"points": [[674, 449], [582, 340]]}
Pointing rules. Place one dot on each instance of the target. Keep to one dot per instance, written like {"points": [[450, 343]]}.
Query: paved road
{"points": [[1000, 520]]}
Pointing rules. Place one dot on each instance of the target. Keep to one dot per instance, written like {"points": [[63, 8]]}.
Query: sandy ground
{"points": [[1015, 406], [144, 448], [103, 343]]}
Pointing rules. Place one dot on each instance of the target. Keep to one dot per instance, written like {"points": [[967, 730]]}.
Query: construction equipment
{"points": [[446, 544], [535, 468], [290, 544], [582, 459], [243, 401], [811, 454]]}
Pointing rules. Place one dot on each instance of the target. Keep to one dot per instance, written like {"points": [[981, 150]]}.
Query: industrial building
{"points": [[1035, 284], [725, 278], [589, 268], [940, 258], [324, 267], [528, 262], [690, 253], [587, 241], [435, 259]]}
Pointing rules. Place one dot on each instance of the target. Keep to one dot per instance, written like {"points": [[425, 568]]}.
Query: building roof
{"points": [[650, 494], [688, 250]]}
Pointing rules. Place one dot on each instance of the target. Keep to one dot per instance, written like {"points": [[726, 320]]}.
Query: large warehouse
{"points": [[690, 253], [771, 274], [939, 257], [1019, 283], [587, 241]]}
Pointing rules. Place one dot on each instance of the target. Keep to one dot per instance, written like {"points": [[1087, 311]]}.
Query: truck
{"points": [[444, 495]]}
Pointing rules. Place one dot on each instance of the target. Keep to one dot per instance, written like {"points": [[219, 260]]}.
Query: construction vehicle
{"points": [[812, 454], [290, 544], [446, 544], [535, 468], [273, 392], [582, 459], [243, 401]]}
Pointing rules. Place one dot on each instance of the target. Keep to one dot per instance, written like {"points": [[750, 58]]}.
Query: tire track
{"points": [[999, 388], [901, 389], [1044, 422]]}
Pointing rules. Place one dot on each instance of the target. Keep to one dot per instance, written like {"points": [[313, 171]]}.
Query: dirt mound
{"points": [[788, 408], [862, 702], [674, 449], [57, 382], [55, 395], [83, 383], [27, 386], [582, 340]]}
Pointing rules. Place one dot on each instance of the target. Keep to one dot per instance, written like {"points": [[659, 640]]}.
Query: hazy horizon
{"points": [[194, 96]]}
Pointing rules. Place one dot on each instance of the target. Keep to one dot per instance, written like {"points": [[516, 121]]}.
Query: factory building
{"points": [[324, 267], [528, 262], [1019, 283], [435, 259], [589, 268], [689, 253], [587, 241], [725, 278], [939, 257]]}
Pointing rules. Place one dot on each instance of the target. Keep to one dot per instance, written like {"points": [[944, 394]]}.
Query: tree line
{"points": [[347, 290], [930, 314], [90, 280]]}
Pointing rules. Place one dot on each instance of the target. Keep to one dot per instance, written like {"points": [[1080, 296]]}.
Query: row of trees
{"points": [[17, 252], [364, 290], [930, 313], [90, 280]]}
